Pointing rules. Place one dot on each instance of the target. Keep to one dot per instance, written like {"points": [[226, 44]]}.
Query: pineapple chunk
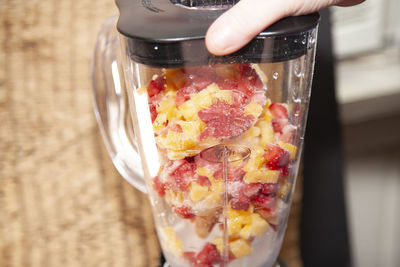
{"points": [[219, 243], [160, 122], [256, 160], [172, 241], [262, 175], [267, 133], [253, 109], [252, 132], [175, 198], [198, 192], [236, 220], [256, 227], [291, 148], [260, 73], [188, 110], [240, 248], [204, 172]]}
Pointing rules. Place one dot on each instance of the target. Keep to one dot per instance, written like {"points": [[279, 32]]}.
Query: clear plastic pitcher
{"points": [[214, 141]]}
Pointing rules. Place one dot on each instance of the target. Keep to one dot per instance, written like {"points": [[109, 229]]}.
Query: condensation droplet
{"points": [[275, 75]]}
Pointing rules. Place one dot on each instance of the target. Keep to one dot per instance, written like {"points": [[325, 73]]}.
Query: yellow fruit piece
{"points": [[259, 71], [160, 122], [188, 110], [141, 90], [256, 227], [284, 189], [236, 220], [172, 241], [256, 160], [262, 175], [253, 109], [175, 78], [219, 243], [268, 116], [198, 192], [267, 133], [174, 197], [179, 141], [291, 148], [204, 172], [240, 248]]}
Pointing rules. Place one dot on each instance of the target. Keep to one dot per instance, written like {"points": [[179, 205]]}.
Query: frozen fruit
{"points": [[204, 224], [172, 241], [240, 248], [198, 192], [276, 157], [208, 255], [278, 124], [278, 111], [224, 121], [263, 201], [256, 227], [241, 203], [289, 147], [155, 86], [262, 175], [158, 186], [184, 212]]}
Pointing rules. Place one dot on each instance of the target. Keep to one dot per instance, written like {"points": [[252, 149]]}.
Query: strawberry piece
{"points": [[240, 99], [208, 255], [190, 256], [227, 84], [269, 189], [203, 180], [175, 128], [153, 111], [155, 86], [279, 124], [276, 157], [264, 201], [252, 189], [242, 203], [159, 186], [183, 175], [184, 212], [224, 121], [278, 111]]}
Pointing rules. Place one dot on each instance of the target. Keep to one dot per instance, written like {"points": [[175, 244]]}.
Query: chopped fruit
{"points": [[204, 224], [253, 109], [183, 175], [175, 78], [228, 71], [291, 148], [208, 255], [155, 86], [184, 212], [263, 201], [267, 133], [276, 157], [198, 192], [224, 121], [279, 124], [268, 189], [175, 198], [262, 175], [172, 241], [203, 180], [240, 248], [284, 189], [257, 227], [242, 203], [278, 111], [159, 186]]}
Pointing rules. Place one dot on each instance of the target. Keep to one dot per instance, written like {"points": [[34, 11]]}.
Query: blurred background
{"points": [[62, 203]]}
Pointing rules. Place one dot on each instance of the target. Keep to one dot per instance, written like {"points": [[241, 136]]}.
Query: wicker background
{"points": [[62, 203]]}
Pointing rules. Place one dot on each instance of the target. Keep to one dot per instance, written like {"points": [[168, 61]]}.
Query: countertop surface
{"points": [[62, 203]]}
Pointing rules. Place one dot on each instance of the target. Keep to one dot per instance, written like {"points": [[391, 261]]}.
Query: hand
{"points": [[237, 26]]}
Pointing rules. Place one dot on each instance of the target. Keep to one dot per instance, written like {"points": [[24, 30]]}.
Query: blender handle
{"points": [[111, 106]]}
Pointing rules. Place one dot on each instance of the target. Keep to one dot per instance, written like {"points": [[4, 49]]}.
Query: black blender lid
{"points": [[170, 33]]}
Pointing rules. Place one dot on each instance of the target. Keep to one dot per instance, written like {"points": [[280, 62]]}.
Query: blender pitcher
{"points": [[215, 141]]}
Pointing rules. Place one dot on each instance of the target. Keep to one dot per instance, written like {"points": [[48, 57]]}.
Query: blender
{"points": [[215, 141]]}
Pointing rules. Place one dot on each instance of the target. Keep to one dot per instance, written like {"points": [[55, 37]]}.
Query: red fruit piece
{"points": [[153, 110], [263, 201], [276, 157], [183, 175], [279, 124], [158, 186], [208, 255], [155, 86], [268, 189], [184, 212], [190, 256], [241, 203], [227, 84], [224, 121], [278, 111], [203, 181]]}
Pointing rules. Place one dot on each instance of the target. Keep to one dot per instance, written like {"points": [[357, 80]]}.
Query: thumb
{"points": [[238, 25]]}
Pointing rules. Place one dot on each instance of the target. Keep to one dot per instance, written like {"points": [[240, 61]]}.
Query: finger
{"points": [[237, 26], [349, 2]]}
